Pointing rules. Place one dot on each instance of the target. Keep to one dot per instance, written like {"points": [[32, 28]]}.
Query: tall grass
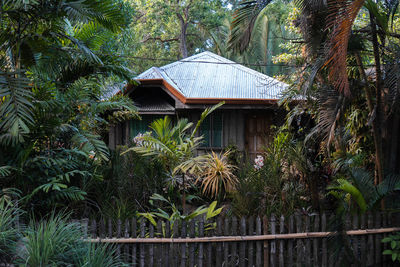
{"points": [[56, 242], [9, 233]]}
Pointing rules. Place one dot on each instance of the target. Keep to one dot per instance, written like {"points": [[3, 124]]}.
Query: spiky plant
{"points": [[218, 175]]}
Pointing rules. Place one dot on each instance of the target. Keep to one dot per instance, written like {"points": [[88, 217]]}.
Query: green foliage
{"points": [[175, 215], [55, 242], [9, 233], [394, 251]]}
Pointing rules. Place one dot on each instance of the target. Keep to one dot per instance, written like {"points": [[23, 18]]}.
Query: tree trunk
{"points": [[182, 40], [184, 194], [378, 106]]}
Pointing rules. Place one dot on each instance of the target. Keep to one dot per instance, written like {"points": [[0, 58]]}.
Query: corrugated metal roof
{"points": [[207, 75], [156, 105]]}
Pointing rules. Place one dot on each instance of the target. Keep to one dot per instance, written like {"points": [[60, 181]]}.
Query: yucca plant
{"points": [[218, 175]]}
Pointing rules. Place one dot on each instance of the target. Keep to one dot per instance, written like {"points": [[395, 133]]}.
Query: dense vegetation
{"points": [[60, 60]]}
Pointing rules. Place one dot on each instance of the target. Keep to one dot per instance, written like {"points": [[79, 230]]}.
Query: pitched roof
{"points": [[209, 76]]}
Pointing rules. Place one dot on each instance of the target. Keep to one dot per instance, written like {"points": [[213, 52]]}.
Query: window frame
{"points": [[211, 132]]}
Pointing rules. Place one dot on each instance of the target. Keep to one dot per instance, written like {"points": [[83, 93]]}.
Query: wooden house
{"points": [[186, 87]]}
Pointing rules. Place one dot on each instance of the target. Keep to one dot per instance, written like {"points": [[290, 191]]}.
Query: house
{"points": [[186, 87]]}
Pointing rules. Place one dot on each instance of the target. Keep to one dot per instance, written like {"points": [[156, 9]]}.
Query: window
{"points": [[211, 129], [142, 126]]}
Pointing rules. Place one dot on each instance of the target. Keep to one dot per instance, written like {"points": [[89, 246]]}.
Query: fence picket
{"points": [[142, 246], [315, 242], [242, 250], [273, 242], [363, 242], [272, 251], [167, 247], [134, 246], [299, 243], [251, 244], [378, 237], [324, 242], [265, 249], [307, 254], [175, 247], [126, 235], [159, 247], [151, 246], [281, 242], [218, 257], [192, 247], [290, 241], [118, 236], [183, 245], [201, 234], [226, 244], [234, 244], [259, 243], [370, 243]]}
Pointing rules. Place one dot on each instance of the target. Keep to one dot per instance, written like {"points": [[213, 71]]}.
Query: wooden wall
{"points": [[234, 126]]}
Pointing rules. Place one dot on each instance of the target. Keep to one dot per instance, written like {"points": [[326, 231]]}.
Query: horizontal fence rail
{"points": [[299, 240], [241, 238]]}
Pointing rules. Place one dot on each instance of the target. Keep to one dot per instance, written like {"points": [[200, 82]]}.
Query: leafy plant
{"points": [[394, 251], [175, 215]]}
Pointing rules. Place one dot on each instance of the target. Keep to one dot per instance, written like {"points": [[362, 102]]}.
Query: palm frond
{"points": [[243, 22], [342, 14], [16, 107]]}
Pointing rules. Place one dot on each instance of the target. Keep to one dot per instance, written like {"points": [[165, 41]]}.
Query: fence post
{"points": [[363, 240], [378, 237], [258, 243]]}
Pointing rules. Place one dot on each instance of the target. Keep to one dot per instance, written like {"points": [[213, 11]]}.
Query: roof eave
{"points": [[184, 100]]}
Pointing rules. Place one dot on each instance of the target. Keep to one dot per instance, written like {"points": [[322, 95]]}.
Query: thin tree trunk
{"points": [[183, 40], [378, 107]]}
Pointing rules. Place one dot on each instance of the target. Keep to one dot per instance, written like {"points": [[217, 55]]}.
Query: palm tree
{"points": [[54, 75], [327, 30]]}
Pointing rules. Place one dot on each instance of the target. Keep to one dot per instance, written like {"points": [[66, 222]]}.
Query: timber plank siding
{"points": [[275, 241]]}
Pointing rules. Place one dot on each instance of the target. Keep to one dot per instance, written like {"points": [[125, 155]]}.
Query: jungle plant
{"points": [[175, 215], [217, 175], [9, 231], [174, 146], [55, 242], [394, 242]]}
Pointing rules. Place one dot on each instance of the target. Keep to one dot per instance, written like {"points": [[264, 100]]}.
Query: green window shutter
{"points": [[217, 130], [205, 132]]}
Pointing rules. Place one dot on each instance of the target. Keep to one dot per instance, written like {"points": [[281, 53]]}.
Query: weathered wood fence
{"points": [[299, 240]]}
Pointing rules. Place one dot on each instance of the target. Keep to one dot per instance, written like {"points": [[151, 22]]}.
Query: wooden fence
{"points": [[299, 240]]}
